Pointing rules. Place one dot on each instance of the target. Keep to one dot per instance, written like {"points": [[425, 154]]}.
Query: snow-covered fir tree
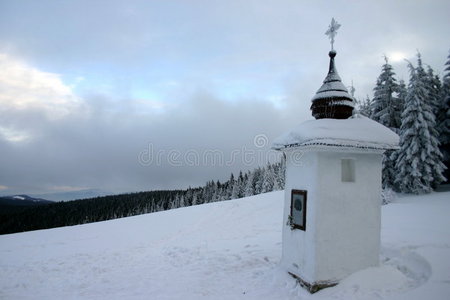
{"points": [[250, 185], [385, 109], [194, 199], [364, 107], [390, 157], [434, 88], [418, 164], [230, 186], [443, 118], [259, 179], [268, 179], [243, 185], [384, 106], [238, 187], [279, 172], [401, 97]]}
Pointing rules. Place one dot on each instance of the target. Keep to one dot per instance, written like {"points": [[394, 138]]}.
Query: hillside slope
{"points": [[17, 203], [22, 200], [223, 250]]}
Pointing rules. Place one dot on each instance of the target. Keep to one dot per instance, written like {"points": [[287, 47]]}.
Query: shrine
{"points": [[332, 202]]}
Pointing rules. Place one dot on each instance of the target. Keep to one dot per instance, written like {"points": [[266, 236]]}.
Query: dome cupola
{"points": [[332, 100]]}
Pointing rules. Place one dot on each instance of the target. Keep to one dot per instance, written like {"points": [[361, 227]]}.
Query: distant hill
{"points": [[73, 195], [18, 202], [35, 213], [22, 200]]}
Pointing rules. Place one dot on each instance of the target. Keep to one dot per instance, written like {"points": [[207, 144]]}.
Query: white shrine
{"points": [[332, 203]]}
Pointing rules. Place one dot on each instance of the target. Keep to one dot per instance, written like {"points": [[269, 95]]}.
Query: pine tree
{"points": [[443, 118], [258, 180], [384, 103], [434, 88], [401, 97], [418, 165], [238, 187], [364, 107], [279, 169], [268, 179], [282, 176], [182, 201], [249, 187], [230, 185], [389, 171], [217, 193], [243, 185], [276, 175], [194, 198], [385, 110]]}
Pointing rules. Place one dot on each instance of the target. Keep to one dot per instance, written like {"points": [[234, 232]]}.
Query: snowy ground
{"points": [[225, 250]]}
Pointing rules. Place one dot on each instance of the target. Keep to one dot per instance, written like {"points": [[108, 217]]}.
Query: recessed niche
{"points": [[347, 170]]}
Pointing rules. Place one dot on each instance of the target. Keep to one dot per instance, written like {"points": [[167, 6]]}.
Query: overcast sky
{"points": [[139, 95]]}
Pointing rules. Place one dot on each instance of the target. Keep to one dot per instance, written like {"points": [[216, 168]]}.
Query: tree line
{"points": [[260, 180], [420, 113]]}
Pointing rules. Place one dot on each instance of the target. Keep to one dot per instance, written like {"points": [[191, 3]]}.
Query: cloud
{"points": [[23, 87], [51, 137], [13, 135]]}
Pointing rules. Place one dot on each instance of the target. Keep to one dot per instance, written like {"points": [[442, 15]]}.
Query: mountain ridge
{"points": [[22, 200]]}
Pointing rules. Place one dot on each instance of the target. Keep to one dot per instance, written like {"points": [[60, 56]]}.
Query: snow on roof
{"points": [[334, 95], [354, 132], [335, 85]]}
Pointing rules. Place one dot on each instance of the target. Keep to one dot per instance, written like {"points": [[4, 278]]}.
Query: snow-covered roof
{"points": [[355, 132], [336, 95], [332, 99], [332, 86]]}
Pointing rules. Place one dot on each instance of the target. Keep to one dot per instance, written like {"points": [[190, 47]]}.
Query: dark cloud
{"points": [[95, 148]]}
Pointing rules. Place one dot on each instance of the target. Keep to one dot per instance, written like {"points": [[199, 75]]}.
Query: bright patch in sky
{"points": [[67, 188], [23, 87], [278, 101], [13, 135], [396, 56]]}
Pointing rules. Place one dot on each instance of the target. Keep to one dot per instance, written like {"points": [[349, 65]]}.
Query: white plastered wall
{"points": [[343, 218]]}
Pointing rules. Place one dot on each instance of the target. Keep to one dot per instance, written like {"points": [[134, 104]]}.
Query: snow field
{"points": [[223, 250]]}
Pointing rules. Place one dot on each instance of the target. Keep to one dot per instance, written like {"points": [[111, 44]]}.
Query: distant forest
{"points": [[260, 180]]}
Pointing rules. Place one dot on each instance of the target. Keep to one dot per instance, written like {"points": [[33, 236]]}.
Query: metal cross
{"points": [[332, 31]]}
